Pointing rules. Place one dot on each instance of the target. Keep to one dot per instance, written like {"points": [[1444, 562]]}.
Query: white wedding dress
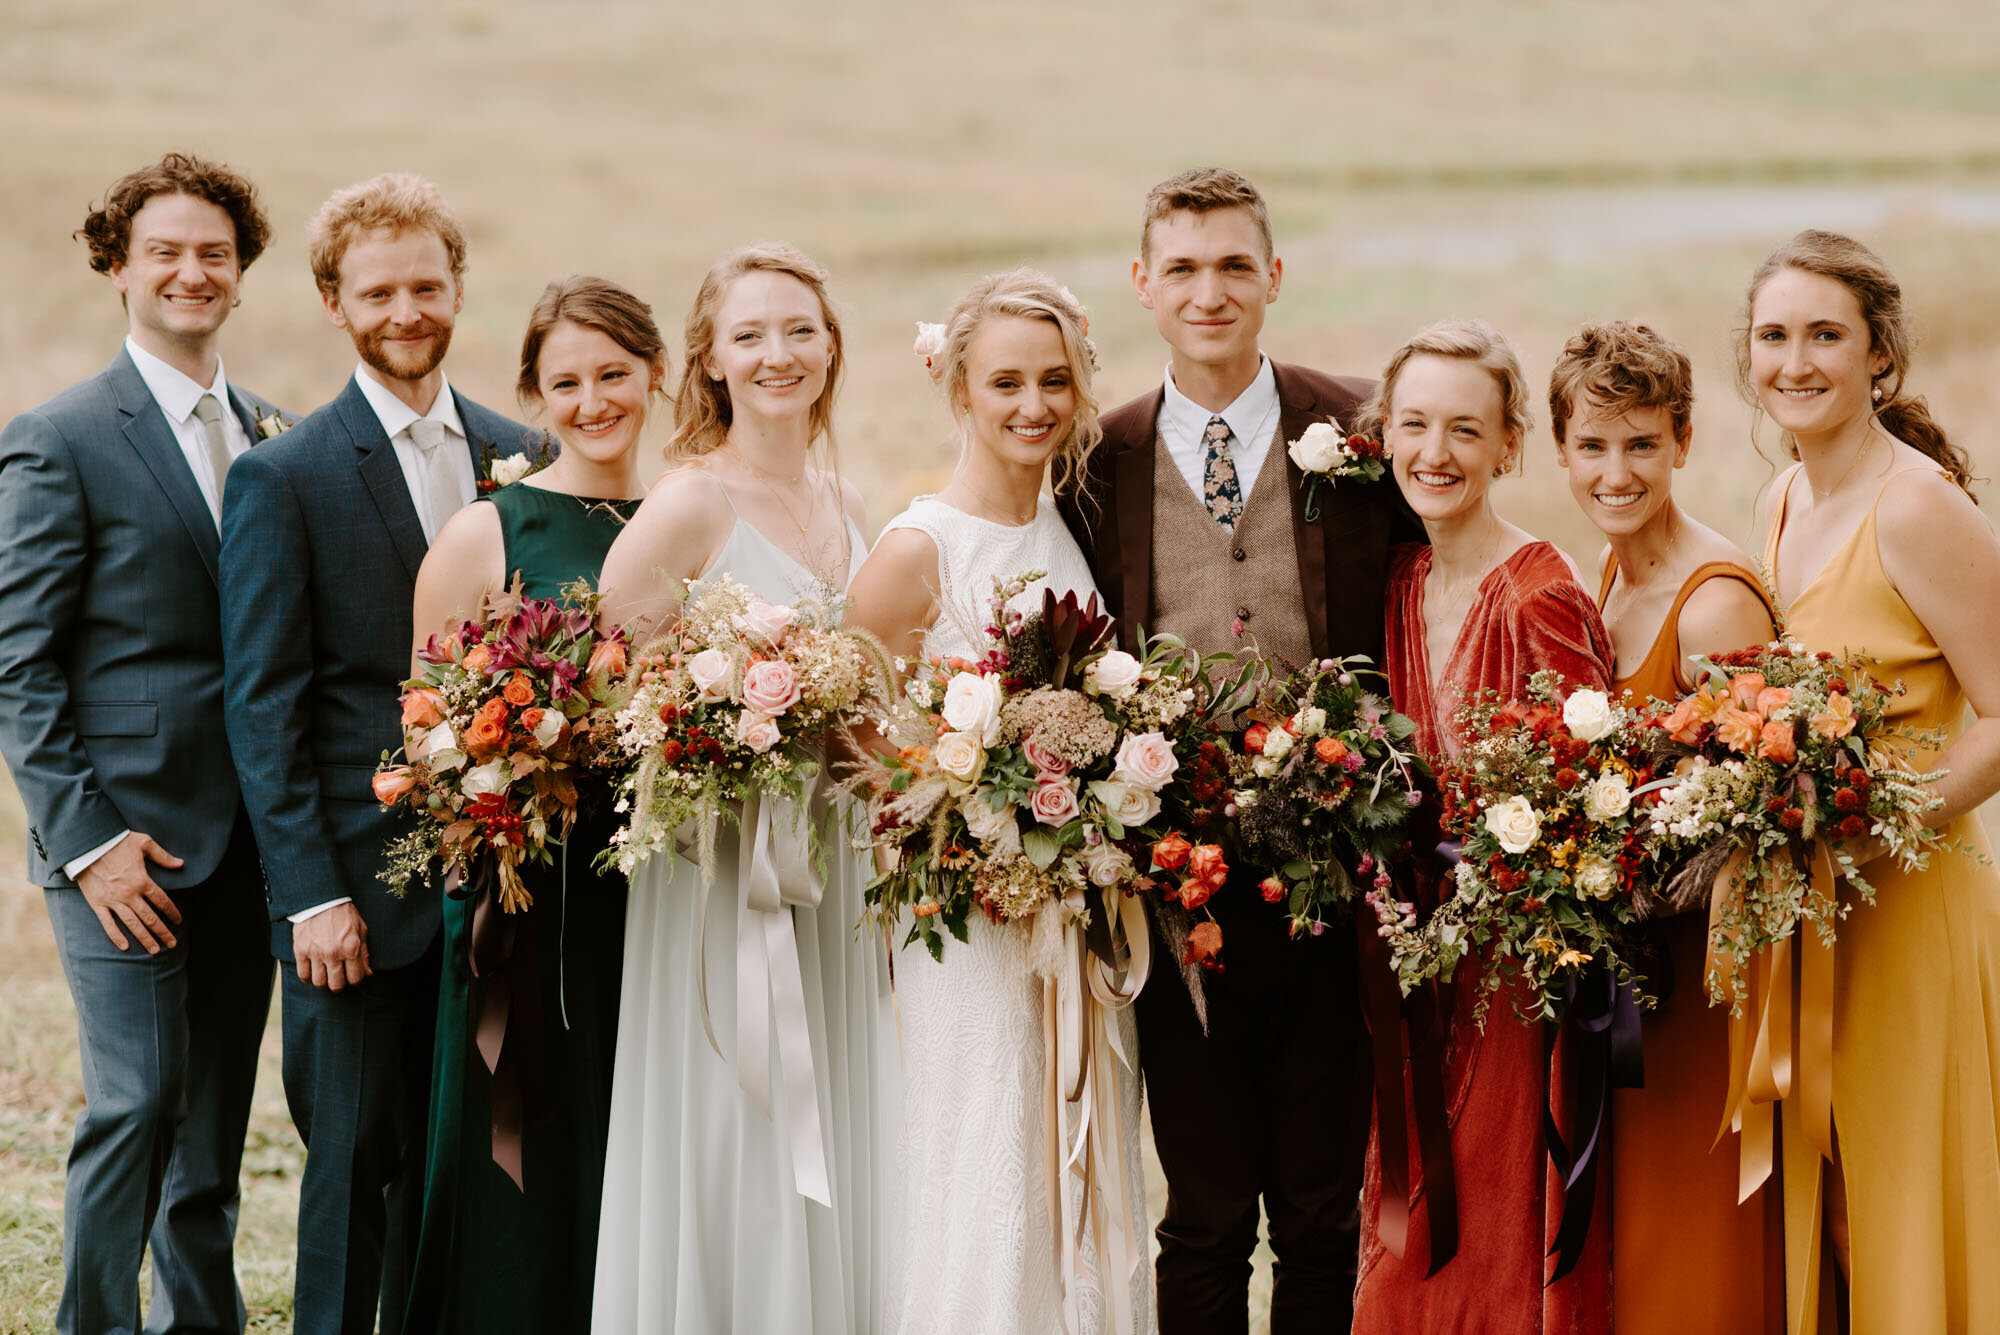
{"points": [[703, 1227], [971, 1248]]}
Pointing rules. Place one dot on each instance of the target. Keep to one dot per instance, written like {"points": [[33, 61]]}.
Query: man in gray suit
{"points": [[111, 721]]}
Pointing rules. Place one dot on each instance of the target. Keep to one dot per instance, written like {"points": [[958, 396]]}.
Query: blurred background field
{"points": [[1535, 164]]}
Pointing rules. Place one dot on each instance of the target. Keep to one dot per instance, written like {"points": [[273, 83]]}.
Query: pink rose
{"points": [[770, 687], [1048, 765], [1146, 761], [709, 670], [767, 621], [759, 732], [1054, 803]]}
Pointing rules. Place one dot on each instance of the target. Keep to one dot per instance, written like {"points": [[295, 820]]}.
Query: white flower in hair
{"points": [[929, 345]]}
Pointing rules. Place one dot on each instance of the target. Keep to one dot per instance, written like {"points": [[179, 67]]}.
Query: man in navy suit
{"points": [[111, 720], [321, 540]]}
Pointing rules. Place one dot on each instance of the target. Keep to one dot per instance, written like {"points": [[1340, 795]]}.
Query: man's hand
{"points": [[331, 948], [119, 890]]}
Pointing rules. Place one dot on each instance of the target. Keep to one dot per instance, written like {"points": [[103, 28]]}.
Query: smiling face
{"points": [[771, 347], [1446, 431], [1621, 465], [1811, 357], [397, 300], [180, 273], [594, 391], [1207, 280], [1019, 389]]}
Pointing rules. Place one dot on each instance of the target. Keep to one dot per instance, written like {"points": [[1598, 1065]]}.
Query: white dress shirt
{"points": [[1253, 418], [177, 395], [396, 416]]}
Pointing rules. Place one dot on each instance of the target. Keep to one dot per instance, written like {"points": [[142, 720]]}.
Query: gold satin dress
{"points": [[1916, 1020]]}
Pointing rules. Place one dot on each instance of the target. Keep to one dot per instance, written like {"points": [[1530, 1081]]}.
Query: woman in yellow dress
{"points": [[1621, 404], [1875, 547]]}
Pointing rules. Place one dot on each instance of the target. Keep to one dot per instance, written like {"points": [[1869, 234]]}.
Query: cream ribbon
{"points": [[1080, 1036], [774, 874]]}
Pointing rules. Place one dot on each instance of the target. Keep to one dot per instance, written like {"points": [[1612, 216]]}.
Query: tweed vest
{"points": [[1207, 579]]}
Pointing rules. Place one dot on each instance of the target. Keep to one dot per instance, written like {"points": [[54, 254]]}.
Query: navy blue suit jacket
{"points": [[111, 668], [320, 549]]}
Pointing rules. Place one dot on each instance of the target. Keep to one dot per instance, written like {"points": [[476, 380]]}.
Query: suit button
{"points": [[1242, 614], [1237, 553]]}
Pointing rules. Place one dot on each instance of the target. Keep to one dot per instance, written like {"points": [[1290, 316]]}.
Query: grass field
{"points": [[1536, 164]]}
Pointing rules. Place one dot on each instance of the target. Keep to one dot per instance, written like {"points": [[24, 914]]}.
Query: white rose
{"points": [[1106, 864], [929, 345], [1264, 767], [1146, 760], [997, 830], [1607, 798], [1320, 449], [548, 729], [440, 749], [757, 731], [1515, 823], [1278, 744], [972, 704], [710, 671], [767, 621], [1589, 714], [1595, 876], [511, 468], [1127, 804], [1311, 721], [486, 780], [961, 759], [1116, 675]]}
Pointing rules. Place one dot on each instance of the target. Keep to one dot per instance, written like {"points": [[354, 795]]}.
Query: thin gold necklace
{"points": [[986, 503], [1866, 445], [812, 495]]}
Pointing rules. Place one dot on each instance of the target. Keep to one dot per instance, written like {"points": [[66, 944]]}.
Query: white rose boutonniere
{"points": [[1324, 453]]}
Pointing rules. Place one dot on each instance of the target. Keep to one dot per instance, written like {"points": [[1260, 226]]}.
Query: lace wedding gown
{"points": [[704, 1224], [970, 1249]]}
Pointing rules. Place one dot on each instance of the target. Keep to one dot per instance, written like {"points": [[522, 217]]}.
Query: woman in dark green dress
{"points": [[528, 1008]]}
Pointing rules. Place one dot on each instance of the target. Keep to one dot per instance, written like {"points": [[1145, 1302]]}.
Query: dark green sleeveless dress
{"points": [[493, 1257]]}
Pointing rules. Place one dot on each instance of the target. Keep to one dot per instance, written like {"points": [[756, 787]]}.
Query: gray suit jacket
{"points": [[111, 672]]}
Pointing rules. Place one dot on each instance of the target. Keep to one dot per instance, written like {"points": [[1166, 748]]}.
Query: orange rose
{"points": [[1253, 738], [518, 691], [1205, 864], [477, 658], [494, 709], [1775, 743], [1171, 853], [392, 785], [1744, 689], [1837, 721], [422, 709], [1738, 729], [1773, 698], [1331, 750], [608, 658], [486, 735]]}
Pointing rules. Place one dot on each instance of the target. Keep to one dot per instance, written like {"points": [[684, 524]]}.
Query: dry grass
{"points": [[911, 149]]}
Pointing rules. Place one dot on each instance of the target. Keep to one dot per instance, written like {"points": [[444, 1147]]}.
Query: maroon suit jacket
{"points": [[1343, 553]]}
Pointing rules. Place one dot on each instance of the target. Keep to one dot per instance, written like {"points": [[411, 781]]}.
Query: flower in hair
{"points": [[929, 345]]}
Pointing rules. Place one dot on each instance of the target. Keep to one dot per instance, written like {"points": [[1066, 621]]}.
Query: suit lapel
{"points": [[1297, 410], [147, 432], [383, 473], [1132, 469], [246, 413]]}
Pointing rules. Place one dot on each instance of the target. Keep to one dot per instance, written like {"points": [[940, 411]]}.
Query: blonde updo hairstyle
{"points": [[1472, 341], [702, 411], [1028, 294]]}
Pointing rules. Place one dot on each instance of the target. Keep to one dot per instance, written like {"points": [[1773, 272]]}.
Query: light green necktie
{"points": [[208, 410]]}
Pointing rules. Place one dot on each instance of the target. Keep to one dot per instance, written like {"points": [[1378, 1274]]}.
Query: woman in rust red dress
{"points": [[1483, 607], [1685, 1256]]}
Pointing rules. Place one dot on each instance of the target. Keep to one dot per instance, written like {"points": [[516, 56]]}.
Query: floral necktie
{"points": [[1220, 491]]}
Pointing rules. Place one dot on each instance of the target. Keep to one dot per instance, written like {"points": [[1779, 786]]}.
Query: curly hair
{"points": [[107, 228], [1621, 366], [397, 201]]}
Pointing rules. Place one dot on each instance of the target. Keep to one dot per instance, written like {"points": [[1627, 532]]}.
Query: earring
{"points": [[1878, 393]]}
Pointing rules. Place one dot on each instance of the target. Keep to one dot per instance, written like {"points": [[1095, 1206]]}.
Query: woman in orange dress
{"points": [[1685, 1256], [1482, 607], [1876, 548]]}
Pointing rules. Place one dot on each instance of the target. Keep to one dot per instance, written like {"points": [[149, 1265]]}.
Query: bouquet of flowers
{"points": [[1023, 778], [504, 738], [1324, 781], [1552, 847], [1779, 747], [736, 701]]}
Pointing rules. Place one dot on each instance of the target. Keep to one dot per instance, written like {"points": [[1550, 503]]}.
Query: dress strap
{"points": [[1778, 517], [1665, 656], [1610, 576]]}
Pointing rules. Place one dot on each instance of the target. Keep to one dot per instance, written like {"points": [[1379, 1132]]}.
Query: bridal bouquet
{"points": [[1778, 748], [737, 700], [1324, 783], [1022, 778], [504, 738], [1552, 845]]}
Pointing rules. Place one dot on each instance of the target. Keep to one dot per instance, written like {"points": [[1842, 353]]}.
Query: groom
{"points": [[1193, 518], [321, 539]]}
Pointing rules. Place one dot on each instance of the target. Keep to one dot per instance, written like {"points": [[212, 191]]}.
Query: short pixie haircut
{"points": [[397, 201], [1472, 341], [1621, 367], [1203, 190], [107, 229]]}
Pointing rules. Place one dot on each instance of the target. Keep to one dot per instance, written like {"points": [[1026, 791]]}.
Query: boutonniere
{"points": [[273, 425], [497, 470], [1325, 453]]}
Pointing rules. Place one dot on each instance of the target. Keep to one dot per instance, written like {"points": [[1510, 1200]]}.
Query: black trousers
{"points": [[1270, 1104]]}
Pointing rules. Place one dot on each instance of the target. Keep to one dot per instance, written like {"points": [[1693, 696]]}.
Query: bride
{"points": [[972, 1244]]}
